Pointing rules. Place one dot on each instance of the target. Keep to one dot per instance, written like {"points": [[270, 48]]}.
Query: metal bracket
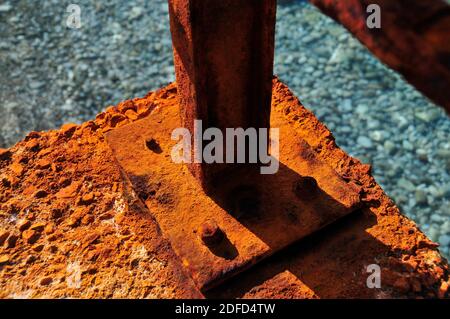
{"points": [[247, 216]]}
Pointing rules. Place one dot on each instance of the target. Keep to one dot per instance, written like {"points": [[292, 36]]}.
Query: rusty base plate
{"points": [[257, 214]]}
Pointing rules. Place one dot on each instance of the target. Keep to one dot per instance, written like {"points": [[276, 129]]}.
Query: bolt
{"points": [[210, 233]]}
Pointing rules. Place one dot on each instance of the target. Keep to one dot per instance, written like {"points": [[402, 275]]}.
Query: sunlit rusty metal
{"points": [[223, 53]]}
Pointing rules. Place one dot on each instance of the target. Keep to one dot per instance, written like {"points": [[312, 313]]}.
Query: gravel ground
{"points": [[50, 74]]}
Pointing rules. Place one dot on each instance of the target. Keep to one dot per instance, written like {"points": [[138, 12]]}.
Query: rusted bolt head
{"points": [[210, 233]]}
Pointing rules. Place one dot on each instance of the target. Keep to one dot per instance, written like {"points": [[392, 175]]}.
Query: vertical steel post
{"points": [[223, 53]]}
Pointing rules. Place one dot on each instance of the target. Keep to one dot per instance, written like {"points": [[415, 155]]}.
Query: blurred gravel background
{"points": [[51, 74]]}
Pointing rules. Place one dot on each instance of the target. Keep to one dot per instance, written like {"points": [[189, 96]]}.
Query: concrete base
{"points": [[71, 225]]}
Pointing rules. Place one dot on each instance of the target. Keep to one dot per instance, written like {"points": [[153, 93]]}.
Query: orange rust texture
{"points": [[414, 39], [228, 85], [333, 262], [71, 227]]}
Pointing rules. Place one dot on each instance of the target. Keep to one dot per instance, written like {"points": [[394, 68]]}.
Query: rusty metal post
{"points": [[223, 53]]}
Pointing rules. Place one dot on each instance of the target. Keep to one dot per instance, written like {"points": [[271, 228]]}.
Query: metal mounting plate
{"points": [[258, 214]]}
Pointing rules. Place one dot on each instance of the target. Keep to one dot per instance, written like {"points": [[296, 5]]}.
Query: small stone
{"points": [[446, 227], [5, 7], [377, 136], [421, 197], [23, 225], [125, 237], [433, 233], [364, 141], [29, 190], [143, 109], [422, 154], [4, 259], [119, 217], [105, 216], [443, 153], [428, 116], [446, 190], [436, 219], [389, 147], [407, 145], [347, 105], [444, 240], [362, 109], [30, 236], [339, 55], [46, 281], [406, 184]]}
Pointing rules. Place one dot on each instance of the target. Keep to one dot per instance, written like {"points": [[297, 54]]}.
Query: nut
{"points": [[210, 233]]}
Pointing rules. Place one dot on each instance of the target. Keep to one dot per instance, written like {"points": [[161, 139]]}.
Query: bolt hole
{"points": [[153, 145]]}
